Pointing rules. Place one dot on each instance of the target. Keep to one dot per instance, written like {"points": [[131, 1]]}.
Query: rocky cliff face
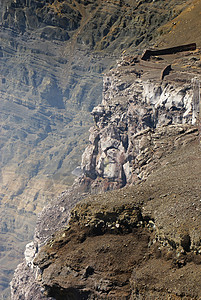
{"points": [[52, 54], [139, 242], [136, 101]]}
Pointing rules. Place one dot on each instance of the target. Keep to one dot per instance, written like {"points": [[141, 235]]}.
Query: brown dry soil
{"points": [[140, 242], [184, 29]]}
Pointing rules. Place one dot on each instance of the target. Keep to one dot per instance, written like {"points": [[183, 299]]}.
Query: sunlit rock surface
{"points": [[52, 55], [136, 102], [116, 244]]}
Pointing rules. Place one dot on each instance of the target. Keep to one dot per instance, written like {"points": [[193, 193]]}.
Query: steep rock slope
{"points": [[137, 98], [146, 133], [184, 27], [52, 54], [141, 242]]}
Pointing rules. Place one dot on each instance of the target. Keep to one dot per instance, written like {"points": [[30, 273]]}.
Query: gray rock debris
{"points": [[132, 110]]}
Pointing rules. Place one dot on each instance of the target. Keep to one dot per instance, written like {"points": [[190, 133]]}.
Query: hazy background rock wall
{"points": [[52, 55]]}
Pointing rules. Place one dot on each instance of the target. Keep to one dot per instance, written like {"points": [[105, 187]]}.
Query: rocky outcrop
{"points": [[125, 144], [52, 55], [146, 140], [53, 217], [138, 242]]}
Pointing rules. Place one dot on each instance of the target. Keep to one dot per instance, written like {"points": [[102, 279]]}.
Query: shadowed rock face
{"points": [[52, 54]]}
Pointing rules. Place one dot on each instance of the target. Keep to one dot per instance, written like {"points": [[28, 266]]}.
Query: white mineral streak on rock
{"points": [[129, 108], [169, 97], [127, 170], [29, 253], [98, 110]]}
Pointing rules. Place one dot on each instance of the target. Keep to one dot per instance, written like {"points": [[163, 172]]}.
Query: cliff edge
{"points": [[52, 56], [142, 241]]}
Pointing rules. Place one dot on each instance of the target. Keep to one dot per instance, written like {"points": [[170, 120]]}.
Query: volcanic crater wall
{"points": [[124, 139], [52, 56], [139, 131]]}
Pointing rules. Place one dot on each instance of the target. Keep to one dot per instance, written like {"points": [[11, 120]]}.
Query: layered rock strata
{"points": [[146, 134], [52, 54]]}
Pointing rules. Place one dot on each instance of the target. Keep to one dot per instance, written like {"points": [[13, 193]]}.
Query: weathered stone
{"points": [[137, 115], [126, 110]]}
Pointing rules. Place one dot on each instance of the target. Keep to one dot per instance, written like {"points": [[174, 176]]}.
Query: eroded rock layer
{"points": [[137, 99], [136, 242], [52, 54], [139, 242]]}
